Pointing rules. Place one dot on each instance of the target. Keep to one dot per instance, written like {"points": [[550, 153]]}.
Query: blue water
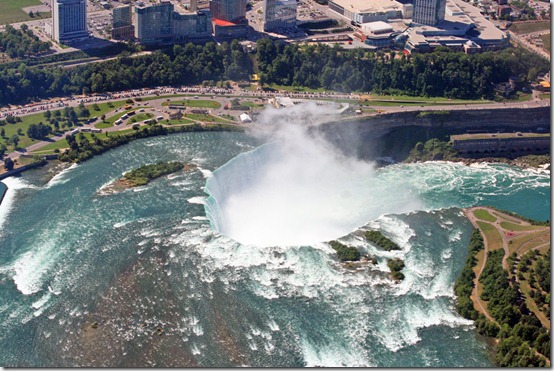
{"points": [[148, 259]]}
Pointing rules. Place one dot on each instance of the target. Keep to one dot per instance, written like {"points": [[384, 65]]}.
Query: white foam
{"points": [[31, 267], [13, 184], [197, 200], [61, 177], [331, 355]]}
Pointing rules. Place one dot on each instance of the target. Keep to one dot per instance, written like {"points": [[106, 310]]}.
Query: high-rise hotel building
{"points": [[228, 10], [429, 12], [69, 20], [279, 14]]}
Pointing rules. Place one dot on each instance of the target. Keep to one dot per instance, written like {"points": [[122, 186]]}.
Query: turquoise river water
{"points": [[144, 277]]}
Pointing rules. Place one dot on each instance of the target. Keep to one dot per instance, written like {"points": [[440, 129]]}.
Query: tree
{"points": [[8, 164], [47, 115], [14, 140], [2, 133], [2, 150]]}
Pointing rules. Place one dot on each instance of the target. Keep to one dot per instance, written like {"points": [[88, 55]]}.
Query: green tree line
{"points": [[443, 73], [181, 65]]}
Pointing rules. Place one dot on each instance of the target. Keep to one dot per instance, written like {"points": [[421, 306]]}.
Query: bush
{"points": [[380, 240], [345, 253]]}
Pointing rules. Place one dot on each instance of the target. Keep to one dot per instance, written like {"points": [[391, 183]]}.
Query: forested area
{"points": [[440, 74], [182, 65], [519, 331], [22, 42]]}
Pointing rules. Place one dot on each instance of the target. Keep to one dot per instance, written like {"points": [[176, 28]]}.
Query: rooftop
{"points": [[365, 6]]}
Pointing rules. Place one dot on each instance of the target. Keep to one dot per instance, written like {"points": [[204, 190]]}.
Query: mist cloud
{"points": [[298, 189]]}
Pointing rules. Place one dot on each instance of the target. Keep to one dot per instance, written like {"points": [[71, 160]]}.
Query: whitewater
{"points": [[167, 281]]}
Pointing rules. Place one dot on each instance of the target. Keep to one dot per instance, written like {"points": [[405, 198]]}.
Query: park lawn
{"points": [[204, 118], [484, 215], [181, 121], [11, 10], [250, 104], [544, 95], [517, 227], [228, 117], [110, 121], [104, 108], [493, 236], [524, 242], [63, 143], [530, 27], [194, 103], [546, 41], [139, 117]]}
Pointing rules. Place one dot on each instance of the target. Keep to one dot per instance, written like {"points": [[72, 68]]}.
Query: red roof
{"points": [[221, 22]]}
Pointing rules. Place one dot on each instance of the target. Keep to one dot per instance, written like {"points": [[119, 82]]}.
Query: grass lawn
{"points": [[248, 103], [544, 95], [139, 117], [546, 41], [525, 289], [11, 10], [516, 227], [484, 215], [530, 27], [228, 117], [194, 103], [493, 236], [105, 108], [63, 143], [204, 118], [181, 121]]}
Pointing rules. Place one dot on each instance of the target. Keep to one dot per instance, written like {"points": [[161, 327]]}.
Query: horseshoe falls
{"points": [[227, 265]]}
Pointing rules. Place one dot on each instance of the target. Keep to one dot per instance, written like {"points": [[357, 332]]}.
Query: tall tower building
{"points": [[429, 12], [154, 22], [69, 20], [122, 22], [228, 10], [279, 14]]}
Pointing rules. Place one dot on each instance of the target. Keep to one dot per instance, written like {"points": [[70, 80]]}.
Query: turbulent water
{"points": [[141, 277]]}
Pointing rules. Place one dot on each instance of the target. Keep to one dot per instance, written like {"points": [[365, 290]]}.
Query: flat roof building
{"points": [[69, 20], [362, 11]]}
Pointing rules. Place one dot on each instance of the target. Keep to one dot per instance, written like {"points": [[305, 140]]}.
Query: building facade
{"points": [[279, 14], [122, 22], [154, 22], [192, 26], [69, 20], [429, 12], [228, 10]]}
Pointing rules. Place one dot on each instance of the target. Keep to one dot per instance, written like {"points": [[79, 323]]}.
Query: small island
{"points": [[396, 265], [380, 240], [144, 174]]}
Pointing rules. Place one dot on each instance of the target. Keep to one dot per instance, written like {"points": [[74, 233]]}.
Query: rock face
{"points": [[394, 134]]}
